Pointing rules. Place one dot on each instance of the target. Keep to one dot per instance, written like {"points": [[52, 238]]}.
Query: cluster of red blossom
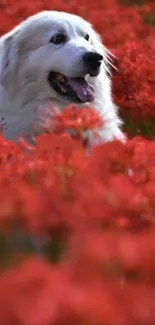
{"points": [[77, 228], [77, 231]]}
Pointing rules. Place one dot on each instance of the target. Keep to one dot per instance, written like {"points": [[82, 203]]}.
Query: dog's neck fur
{"points": [[15, 116]]}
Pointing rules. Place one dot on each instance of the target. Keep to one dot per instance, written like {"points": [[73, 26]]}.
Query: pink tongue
{"points": [[84, 90]]}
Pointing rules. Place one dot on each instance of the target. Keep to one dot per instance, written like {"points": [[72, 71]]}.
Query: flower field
{"points": [[77, 229]]}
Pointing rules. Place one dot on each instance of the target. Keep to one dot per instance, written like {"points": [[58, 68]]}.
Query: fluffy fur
{"points": [[26, 58]]}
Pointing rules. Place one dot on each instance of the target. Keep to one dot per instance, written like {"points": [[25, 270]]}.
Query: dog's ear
{"points": [[8, 58]]}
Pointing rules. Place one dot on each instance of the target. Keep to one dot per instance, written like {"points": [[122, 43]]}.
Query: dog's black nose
{"points": [[92, 60]]}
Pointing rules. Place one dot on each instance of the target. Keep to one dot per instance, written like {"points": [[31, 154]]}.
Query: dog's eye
{"points": [[87, 37], [58, 39]]}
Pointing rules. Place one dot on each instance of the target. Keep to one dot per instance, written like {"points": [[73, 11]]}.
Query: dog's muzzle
{"points": [[77, 90]]}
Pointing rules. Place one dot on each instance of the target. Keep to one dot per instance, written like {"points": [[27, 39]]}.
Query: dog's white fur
{"points": [[26, 58]]}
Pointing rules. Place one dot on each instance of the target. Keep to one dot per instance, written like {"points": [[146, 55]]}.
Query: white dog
{"points": [[53, 57]]}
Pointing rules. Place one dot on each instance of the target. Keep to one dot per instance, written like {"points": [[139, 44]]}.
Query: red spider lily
{"points": [[72, 118]]}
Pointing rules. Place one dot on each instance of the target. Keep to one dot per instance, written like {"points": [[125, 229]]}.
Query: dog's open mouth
{"points": [[74, 89]]}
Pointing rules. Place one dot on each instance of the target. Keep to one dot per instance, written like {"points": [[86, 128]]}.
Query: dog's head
{"points": [[52, 55]]}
